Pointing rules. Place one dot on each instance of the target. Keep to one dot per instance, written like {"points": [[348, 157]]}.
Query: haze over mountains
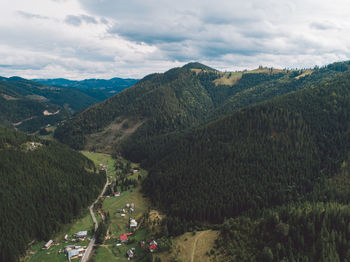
{"points": [[30, 105]]}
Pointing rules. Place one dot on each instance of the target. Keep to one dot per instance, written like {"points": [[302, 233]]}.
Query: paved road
{"points": [[87, 253]]}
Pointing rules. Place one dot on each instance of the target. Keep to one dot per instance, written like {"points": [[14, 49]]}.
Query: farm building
{"points": [[73, 254], [124, 237], [81, 234], [133, 223], [116, 194], [48, 244], [130, 253], [152, 246]]}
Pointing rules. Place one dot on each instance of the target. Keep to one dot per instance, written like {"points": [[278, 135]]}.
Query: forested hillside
{"points": [[29, 105], [164, 102], [182, 98], [230, 144], [43, 185], [271, 154], [307, 232]]}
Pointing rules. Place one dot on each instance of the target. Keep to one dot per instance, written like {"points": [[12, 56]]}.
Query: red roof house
{"points": [[124, 237], [152, 246]]}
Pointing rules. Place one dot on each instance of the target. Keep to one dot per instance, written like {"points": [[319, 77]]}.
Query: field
{"points": [[120, 225], [104, 159], [229, 78], [52, 254], [191, 247]]}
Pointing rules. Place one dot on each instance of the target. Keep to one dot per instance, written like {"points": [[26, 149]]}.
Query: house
{"points": [[81, 234], [116, 194], [124, 237], [130, 253], [66, 237], [48, 244], [73, 254], [132, 205], [142, 244], [152, 246], [127, 205], [133, 223]]}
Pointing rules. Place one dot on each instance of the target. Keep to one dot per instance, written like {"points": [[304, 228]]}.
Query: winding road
{"points": [[87, 253]]}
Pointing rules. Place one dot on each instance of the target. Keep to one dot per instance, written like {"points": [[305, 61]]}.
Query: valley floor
{"points": [[190, 247]]}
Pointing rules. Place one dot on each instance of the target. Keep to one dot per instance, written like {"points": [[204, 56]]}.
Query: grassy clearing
{"points": [[191, 247], [105, 159], [228, 78], [307, 72]]}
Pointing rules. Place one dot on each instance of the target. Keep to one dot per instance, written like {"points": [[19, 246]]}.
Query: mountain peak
{"points": [[196, 65]]}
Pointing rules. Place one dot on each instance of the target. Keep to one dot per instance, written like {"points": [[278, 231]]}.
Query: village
{"points": [[127, 236]]}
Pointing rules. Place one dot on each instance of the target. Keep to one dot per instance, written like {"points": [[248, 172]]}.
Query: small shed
{"points": [[133, 223], [130, 253], [81, 234], [48, 244], [73, 254]]}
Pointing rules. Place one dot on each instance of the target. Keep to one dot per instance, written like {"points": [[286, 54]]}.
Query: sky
{"points": [[78, 39]]}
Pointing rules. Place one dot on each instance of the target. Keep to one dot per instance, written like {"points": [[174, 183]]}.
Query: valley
{"points": [[201, 165]]}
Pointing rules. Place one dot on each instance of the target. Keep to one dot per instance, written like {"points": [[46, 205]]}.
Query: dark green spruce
{"points": [[44, 184]]}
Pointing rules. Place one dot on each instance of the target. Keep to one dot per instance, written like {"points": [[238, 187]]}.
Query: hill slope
{"points": [[29, 105], [44, 184], [266, 155], [176, 100]]}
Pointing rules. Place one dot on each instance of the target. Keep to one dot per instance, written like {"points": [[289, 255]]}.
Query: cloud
{"points": [[31, 16], [322, 25], [77, 20], [207, 30], [107, 38]]}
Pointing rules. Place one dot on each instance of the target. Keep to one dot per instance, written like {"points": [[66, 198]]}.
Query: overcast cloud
{"points": [[79, 39]]}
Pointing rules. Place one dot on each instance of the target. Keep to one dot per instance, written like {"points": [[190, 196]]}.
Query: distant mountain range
{"points": [[29, 105], [100, 89]]}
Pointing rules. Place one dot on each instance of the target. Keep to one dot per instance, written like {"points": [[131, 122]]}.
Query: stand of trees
{"points": [[279, 152], [42, 187]]}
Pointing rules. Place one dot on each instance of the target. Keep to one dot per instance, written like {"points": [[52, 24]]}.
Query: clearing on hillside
{"points": [[191, 247]]}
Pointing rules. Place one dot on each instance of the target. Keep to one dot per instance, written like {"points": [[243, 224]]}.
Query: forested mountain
{"points": [[43, 185], [28, 105], [306, 232], [181, 98], [266, 155], [221, 145], [99, 89]]}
